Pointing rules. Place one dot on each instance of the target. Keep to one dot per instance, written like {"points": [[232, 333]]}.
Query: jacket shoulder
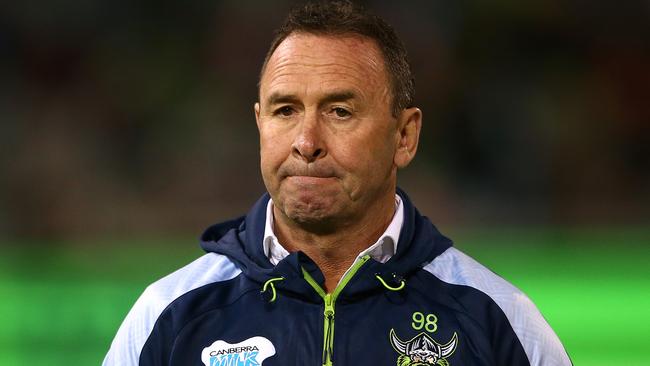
{"points": [[540, 343], [139, 322]]}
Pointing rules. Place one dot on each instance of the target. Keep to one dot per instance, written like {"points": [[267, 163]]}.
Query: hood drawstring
{"points": [[269, 283], [274, 295], [396, 278]]}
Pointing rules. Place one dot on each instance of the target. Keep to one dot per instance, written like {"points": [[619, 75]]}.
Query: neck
{"points": [[335, 251]]}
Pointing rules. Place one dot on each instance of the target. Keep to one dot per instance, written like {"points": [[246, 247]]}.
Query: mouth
{"points": [[310, 179], [310, 173]]}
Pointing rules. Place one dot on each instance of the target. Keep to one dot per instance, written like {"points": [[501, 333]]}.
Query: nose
{"points": [[309, 144]]}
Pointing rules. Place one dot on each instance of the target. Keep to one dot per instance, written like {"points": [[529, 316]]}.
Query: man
{"points": [[348, 271]]}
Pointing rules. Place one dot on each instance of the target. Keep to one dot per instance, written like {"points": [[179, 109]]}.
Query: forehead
{"points": [[325, 61]]}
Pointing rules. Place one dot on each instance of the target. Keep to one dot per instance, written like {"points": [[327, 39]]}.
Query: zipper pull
{"points": [[329, 306]]}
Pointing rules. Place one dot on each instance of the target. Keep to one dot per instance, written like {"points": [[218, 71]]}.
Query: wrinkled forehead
{"points": [[304, 57]]}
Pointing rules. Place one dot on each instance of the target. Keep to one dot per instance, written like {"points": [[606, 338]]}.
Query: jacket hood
{"points": [[241, 240]]}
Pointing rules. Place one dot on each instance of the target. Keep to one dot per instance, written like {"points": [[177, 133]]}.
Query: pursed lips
{"points": [[309, 177], [309, 180], [313, 177], [308, 173]]}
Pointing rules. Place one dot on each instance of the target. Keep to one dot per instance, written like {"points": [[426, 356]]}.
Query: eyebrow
{"points": [[337, 96], [277, 98], [340, 96]]}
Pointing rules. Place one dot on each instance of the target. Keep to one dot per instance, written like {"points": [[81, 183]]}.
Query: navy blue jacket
{"points": [[430, 304]]}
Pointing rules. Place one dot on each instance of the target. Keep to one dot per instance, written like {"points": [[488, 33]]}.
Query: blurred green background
{"points": [[126, 128]]}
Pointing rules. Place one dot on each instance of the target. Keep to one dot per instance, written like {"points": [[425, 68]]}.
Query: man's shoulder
{"points": [[457, 268], [536, 336], [209, 268], [454, 267], [141, 319]]}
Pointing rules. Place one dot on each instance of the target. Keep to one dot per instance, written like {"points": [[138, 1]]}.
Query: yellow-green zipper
{"points": [[329, 300]]}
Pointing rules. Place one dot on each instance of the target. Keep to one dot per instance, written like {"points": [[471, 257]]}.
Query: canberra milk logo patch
{"points": [[422, 350], [251, 352]]}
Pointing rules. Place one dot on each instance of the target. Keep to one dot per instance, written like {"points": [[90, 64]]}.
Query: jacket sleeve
{"points": [[134, 331]]}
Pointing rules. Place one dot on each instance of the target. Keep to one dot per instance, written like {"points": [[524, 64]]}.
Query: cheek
{"points": [[274, 149], [369, 162], [368, 153], [270, 158], [269, 164]]}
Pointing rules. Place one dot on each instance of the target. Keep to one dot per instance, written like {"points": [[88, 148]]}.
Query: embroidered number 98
{"points": [[428, 322]]}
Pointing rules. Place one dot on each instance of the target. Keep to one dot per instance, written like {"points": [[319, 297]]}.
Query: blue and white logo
{"points": [[251, 352]]}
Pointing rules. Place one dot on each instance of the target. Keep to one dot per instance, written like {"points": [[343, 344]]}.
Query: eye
{"points": [[284, 111], [341, 112]]}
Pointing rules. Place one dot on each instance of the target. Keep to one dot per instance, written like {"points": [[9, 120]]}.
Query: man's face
{"points": [[327, 135]]}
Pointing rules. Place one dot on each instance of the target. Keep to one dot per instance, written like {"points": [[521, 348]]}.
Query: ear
{"points": [[409, 124], [256, 107]]}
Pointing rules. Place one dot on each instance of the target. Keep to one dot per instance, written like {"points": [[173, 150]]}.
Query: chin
{"points": [[307, 210], [316, 215]]}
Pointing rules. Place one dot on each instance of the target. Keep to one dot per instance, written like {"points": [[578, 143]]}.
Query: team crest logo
{"points": [[422, 350], [251, 352]]}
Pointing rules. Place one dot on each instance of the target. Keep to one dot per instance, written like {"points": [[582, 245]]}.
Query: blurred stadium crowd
{"points": [[120, 117]]}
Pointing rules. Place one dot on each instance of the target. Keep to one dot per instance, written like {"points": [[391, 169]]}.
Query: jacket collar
{"points": [[241, 240]]}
